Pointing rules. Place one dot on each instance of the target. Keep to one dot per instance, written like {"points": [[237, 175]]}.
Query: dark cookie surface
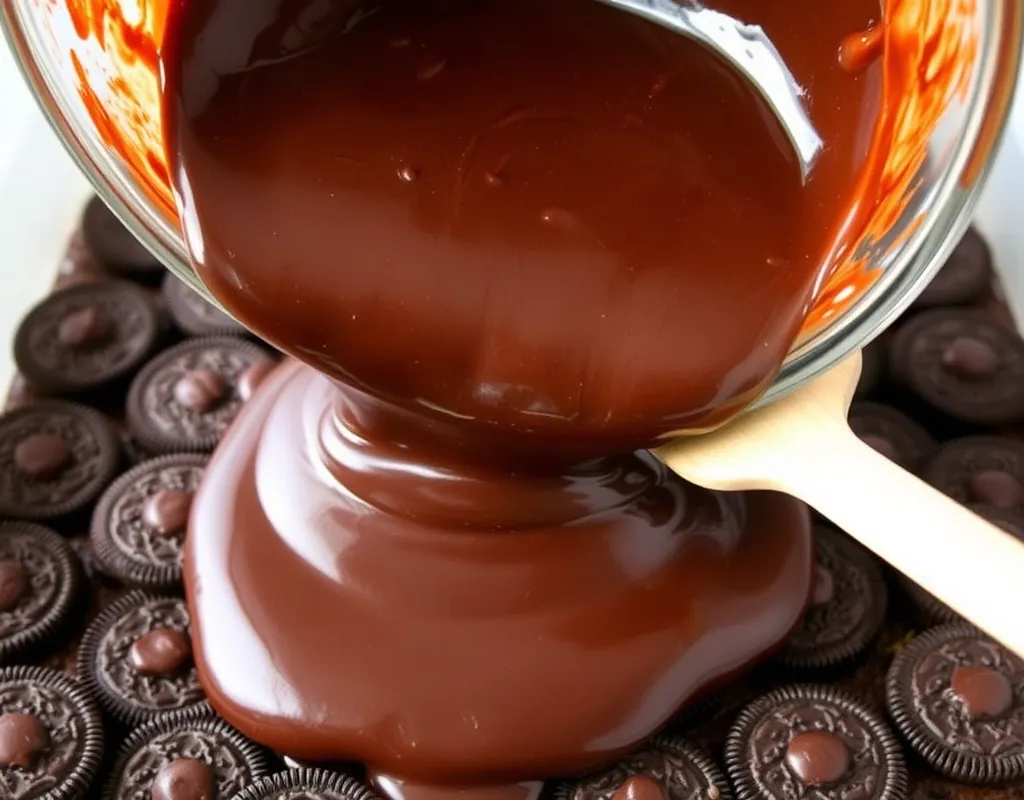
{"points": [[40, 580], [957, 697], [186, 397], [980, 469], [893, 434], [192, 314], [86, 336], [962, 363], [965, 276], [872, 371], [113, 246], [55, 459], [813, 742], [847, 605], [667, 763], [138, 657], [188, 751], [51, 738], [307, 784], [138, 527]]}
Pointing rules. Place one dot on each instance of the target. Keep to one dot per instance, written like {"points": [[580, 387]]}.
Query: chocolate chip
{"points": [[996, 488], [13, 583], [83, 328], [200, 390], [161, 651], [167, 511], [970, 358], [818, 758], [984, 692], [184, 779], [23, 738], [41, 456], [639, 787]]}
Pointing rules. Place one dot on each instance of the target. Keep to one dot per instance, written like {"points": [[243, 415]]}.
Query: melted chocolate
{"points": [[521, 235], [447, 626], [552, 219]]}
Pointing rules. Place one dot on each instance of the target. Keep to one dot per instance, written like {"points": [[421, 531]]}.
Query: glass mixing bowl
{"points": [[93, 67]]}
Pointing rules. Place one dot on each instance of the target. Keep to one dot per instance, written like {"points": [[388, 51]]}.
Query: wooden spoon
{"points": [[803, 446]]}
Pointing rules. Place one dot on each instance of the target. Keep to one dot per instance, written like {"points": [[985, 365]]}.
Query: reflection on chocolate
{"points": [[996, 488], [970, 358], [200, 390], [509, 245], [41, 456], [22, 739], [162, 651], [166, 511], [547, 305], [818, 758], [13, 584], [185, 779], [984, 692], [250, 380], [639, 787], [83, 328]]}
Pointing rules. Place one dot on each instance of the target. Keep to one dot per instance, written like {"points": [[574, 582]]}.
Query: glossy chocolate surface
{"points": [[546, 218], [519, 235]]}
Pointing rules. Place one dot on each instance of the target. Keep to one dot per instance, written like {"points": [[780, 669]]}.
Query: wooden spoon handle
{"points": [[971, 565]]}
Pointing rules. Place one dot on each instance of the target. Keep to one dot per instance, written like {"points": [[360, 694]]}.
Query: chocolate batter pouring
{"points": [[521, 235]]}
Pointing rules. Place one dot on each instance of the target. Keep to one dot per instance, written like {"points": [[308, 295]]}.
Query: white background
{"points": [[42, 193]]}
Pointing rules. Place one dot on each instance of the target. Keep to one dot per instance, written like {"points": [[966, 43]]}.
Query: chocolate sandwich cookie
{"points": [[980, 469], [964, 277], [86, 337], [192, 314], [188, 754], [963, 364], [187, 396], [138, 656], [55, 459], [668, 768], [40, 579], [813, 741], [115, 247], [307, 784], [51, 738], [138, 527], [847, 606], [957, 697], [873, 358], [893, 434]]}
